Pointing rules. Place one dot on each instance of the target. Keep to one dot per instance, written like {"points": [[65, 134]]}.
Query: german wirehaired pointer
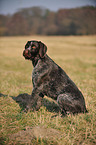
{"points": [[50, 79]]}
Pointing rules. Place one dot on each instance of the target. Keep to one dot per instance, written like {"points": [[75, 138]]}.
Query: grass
{"points": [[77, 56]]}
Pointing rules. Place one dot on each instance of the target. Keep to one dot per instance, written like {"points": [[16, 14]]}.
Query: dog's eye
{"points": [[34, 47]]}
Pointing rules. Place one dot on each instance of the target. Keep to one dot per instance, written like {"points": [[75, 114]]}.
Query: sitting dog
{"points": [[50, 79]]}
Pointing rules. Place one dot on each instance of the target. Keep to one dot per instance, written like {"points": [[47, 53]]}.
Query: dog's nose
{"points": [[25, 52]]}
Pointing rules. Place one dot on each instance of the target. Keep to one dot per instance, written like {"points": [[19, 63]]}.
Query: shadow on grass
{"points": [[2, 95], [20, 99], [23, 99]]}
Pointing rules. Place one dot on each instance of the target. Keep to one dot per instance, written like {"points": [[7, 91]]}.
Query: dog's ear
{"points": [[42, 50]]}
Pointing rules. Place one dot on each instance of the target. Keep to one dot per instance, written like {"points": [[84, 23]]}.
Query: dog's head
{"points": [[34, 49]]}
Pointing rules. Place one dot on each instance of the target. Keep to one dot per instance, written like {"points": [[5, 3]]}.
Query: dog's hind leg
{"points": [[68, 104]]}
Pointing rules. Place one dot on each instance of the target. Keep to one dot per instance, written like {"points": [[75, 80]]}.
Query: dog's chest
{"points": [[35, 75], [38, 74]]}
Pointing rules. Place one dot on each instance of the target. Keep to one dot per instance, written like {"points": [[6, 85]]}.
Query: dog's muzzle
{"points": [[27, 54]]}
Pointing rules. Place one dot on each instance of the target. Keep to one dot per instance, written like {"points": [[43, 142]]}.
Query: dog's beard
{"points": [[31, 56]]}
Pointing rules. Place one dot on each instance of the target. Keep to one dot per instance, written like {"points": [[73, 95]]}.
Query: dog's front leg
{"points": [[35, 100]]}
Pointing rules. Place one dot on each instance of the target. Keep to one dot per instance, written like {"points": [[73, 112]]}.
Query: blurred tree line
{"points": [[37, 20]]}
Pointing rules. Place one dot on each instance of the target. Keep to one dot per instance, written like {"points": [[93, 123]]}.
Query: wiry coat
{"points": [[50, 79]]}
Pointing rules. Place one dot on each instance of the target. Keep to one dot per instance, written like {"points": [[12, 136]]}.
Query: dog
{"points": [[51, 80]]}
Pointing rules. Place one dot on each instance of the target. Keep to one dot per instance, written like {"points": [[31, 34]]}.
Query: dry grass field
{"points": [[77, 56]]}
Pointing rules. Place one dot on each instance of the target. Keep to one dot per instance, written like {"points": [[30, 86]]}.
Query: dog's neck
{"points": [[36, 59]]}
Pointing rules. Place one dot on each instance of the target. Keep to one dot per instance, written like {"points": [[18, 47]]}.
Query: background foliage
{"points": [[37, 20]]}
